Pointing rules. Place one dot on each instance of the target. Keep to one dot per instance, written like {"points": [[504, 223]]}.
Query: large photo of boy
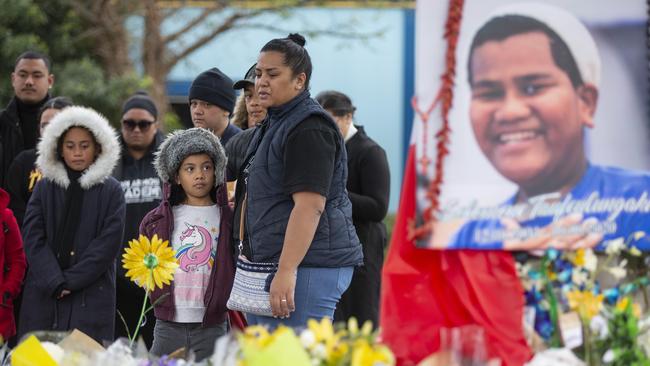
{"points": [[533, 85]]}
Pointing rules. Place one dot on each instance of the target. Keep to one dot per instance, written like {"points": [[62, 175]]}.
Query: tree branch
{"points": [[219, 6], [228, 24], [168, 13], [83, 10], [191, 24], [333, 32]]}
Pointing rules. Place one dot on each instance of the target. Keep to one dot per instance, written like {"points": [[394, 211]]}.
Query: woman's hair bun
{"points": [[297, 38]]}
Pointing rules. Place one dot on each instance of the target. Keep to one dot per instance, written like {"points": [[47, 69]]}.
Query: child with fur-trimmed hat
{"points": [[195, 217]]}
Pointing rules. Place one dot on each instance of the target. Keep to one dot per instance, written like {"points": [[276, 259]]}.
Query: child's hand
{"points": [[63, 293]]}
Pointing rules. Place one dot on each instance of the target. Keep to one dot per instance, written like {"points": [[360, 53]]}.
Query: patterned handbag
{"points": [[250, 289]]}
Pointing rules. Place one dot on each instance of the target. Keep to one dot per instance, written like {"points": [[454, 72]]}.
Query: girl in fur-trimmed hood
{"points": [[73, 228]]}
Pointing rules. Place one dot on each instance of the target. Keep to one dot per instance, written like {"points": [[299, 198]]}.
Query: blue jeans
{"points": [[318, 290]]}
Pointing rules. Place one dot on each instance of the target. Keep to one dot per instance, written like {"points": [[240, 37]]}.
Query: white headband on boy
{"points": [[576, 36]]}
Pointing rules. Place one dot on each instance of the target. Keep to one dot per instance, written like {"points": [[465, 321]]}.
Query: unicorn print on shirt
{"points": [[196, 248]]}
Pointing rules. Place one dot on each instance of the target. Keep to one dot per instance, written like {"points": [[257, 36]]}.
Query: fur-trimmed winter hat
{"points": [[51, 164], [181, 144]]}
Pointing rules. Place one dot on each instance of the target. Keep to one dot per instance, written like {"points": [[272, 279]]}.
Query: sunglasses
{"points": [[143, 124]]}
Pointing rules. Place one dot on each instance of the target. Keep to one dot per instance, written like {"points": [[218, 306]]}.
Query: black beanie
{"points": [[213, 86], [140, 100]]}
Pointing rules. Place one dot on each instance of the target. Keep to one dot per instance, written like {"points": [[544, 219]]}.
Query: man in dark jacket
{"points": [[19, 127], [140, 138], [212, 100], [368, 187]]}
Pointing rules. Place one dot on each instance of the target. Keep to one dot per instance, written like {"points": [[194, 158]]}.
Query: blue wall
{"points": [[377, 73]]}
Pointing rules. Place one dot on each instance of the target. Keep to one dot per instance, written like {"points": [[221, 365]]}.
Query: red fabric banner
{"points": [[425, 290]]}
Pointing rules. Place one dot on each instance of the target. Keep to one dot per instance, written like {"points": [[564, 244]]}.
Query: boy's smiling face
{"points": [[527, 116]]}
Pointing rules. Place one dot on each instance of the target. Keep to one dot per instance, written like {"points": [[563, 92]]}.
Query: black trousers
{"points": [[361, 300]]}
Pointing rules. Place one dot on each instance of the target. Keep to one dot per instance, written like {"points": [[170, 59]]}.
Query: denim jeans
{"points": [[170, 336], [318, 290]]}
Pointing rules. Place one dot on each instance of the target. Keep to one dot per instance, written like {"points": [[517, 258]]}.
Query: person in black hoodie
{"points": [[368, 187], [23, 174], [31, 80], [140, 138]]}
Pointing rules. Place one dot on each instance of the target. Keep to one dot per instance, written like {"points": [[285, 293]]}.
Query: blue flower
{"points": [[543, 324], [629, 288], [533, 297], [552, 253], [564, 276], [612, 295]]}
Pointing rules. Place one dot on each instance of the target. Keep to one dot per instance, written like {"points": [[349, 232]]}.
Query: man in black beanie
{"points": [[212, 100], [142, 189]]}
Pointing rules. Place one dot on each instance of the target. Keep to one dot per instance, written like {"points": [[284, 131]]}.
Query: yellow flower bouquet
{"points": [[321, 343]]}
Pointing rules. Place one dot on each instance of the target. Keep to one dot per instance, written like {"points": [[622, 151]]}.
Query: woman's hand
{"points": [[64, 293], [303, 221], [281, 293]]}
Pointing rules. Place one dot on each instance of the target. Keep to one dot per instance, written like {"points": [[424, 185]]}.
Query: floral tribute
{"points": [[595, 304], [320, 344]]}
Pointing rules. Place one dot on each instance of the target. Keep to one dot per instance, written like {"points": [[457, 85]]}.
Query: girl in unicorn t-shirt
{"points": [[195, 217]]}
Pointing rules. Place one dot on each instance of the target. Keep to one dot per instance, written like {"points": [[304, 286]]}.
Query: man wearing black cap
{"points": [[212, 99], [142, 192]]}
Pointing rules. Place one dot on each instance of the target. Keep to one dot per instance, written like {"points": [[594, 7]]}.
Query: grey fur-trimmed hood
{"points": [[180, 144], [53, 167]]}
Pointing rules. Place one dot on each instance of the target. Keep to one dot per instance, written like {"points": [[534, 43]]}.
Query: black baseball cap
{"points": [[248, 80]]}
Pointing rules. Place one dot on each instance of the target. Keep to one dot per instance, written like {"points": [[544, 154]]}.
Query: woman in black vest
{"points": [[297, 210]]}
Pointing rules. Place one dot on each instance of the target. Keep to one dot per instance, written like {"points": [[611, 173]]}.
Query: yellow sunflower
{"points": [[149, 263]]}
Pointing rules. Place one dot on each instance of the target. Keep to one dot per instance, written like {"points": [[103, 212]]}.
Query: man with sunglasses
{"points": [[142, 192]]}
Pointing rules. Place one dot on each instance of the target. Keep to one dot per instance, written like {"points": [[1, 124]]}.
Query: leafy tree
{"points": [[105, 21], [91, 46], [54, 28]]}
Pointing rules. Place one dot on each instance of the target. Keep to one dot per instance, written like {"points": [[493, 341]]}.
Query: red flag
{"points": [[425, 290]]}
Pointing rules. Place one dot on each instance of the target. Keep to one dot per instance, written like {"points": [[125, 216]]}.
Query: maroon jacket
{"points": [[160, 221], [12, 266]]}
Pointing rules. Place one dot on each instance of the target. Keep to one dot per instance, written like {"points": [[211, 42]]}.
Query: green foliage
{"points": [[172, 122], [623, 340], [18, 19], [52, 27], [85, 82]]}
